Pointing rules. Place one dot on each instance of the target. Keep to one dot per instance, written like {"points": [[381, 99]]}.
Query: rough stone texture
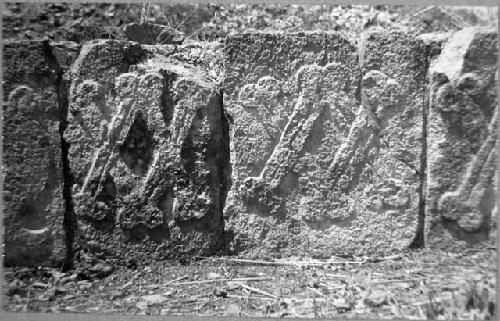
{"points": [[33, 176], [149, 152], [321, 164], [392, 195], [322, 147], [462, 139]]}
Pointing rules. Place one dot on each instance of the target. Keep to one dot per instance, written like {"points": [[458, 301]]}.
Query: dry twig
{"points": [[256, 290], [225, 279], [285, 263], [393, 281], [316, 291], [176, 280], [247, 297]]}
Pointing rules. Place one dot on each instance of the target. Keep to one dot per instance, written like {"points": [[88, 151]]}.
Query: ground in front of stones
{"points": [[416, 285]]}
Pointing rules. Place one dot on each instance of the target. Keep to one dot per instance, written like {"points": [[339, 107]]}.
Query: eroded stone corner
{"points": [[463, 120]]}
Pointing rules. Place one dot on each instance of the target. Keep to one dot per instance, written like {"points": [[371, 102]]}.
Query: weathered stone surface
{"points": [[462, 140], [153, 34], [321, 164], [326, 148], [33, 182], [149, 153]]}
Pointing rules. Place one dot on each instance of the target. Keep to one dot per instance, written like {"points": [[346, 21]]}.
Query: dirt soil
{"points": [[415, 285]]}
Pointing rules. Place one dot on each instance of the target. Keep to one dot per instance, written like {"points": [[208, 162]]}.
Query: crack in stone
{"points": [[61, 88], [419, 239]]}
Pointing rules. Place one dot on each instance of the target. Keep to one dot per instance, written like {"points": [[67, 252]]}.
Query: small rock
{"points": [[101, 270], [86, 258], [16, 291], [360, 307], [93, 244], [43, 298], [491, 308], [450, 288], [60, 290], [126, 285], [81, 282], [141, 305], [40, 285], [51, 293], [16, 287], [73, 276], [84, 284], [341, 305], [314, 284], [54, 310], [16, 283], [58, 275], [154, 299], [97, 268], [220, 293], [231, 286], [132, 264], [376, 298], [232, 310], [168, 293], [17, 298], [129, 299]]}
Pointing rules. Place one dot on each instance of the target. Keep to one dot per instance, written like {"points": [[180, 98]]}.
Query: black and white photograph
{"points": [[261, 161]]}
